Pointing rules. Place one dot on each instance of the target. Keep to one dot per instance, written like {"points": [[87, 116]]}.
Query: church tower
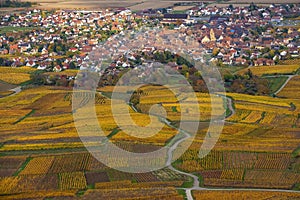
{"points": [[212, 35]]}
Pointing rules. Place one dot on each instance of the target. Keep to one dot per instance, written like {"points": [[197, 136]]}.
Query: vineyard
{"points": [[72, 180], [43, 156], [272, 70], [39, 165], [78, 171], [291, 90], [237, 160], [242, 169], [265, 111], [135, 193], [15, 75], [227, 195]]}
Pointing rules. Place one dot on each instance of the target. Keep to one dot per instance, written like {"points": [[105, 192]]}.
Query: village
{"points": [[149, 99], [62, 39]]}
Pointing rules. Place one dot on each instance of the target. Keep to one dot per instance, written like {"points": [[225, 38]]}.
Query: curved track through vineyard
{"points": [[196, 182]]}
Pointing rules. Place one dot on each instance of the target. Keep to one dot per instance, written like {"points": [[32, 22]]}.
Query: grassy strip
{"points": [[201, 180], [188, 184], [113, 133], [296, 152], [22, 166], [182, 192], [174, 109], [80, 193], [296, 187], [275, 83], [107, 94], [24, 117], [228, 112], [9, 29]]}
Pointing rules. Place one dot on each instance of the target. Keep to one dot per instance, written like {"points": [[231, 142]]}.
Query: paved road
{"points": [[286, 82], [185, 135], [230, 107], [16, 90]]}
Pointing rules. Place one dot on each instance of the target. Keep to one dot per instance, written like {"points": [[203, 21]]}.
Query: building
{"points": [[175, 19]]}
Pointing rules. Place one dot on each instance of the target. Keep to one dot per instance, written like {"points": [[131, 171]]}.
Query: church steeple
{"points": [[212, 35]]}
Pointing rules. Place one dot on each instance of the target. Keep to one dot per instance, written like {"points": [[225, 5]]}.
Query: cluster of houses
{"points": [[65, 35], [58, 40], [243, 35]]}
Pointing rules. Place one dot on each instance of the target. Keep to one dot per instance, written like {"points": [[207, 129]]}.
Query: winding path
{"points": [[16, 90], [286, 82], [196, 182], [186, 135], [196, 186], [283, 85]]}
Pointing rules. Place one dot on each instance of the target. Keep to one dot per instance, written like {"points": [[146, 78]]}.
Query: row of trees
{"points": [[40, 78], [247, 83]]}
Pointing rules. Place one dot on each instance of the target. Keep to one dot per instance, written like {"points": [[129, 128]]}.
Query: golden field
{"points": [[272, 70], [257, 146], [243, 195], [15, 75], [292, 89]]}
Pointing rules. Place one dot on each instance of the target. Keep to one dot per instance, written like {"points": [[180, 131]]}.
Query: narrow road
{"points": [[249, 189], [170, 156], [286, 82], [196, 186], [16, 90], [185, 136], [230, 106], [188, 191]]}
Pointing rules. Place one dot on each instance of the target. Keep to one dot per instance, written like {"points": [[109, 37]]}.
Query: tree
{"points": [[228, 77], [54, 47], [169, 56], [215, 51], [38, 78], [62, 82], [70, 54], [72, 65], [265, 50], [184, 69], [277, 60], [180, 60], [252, 7], [58, 61], [50, 47], [249, 74], [272, 53], [11, 39], [245, 39], [161, 57]]}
